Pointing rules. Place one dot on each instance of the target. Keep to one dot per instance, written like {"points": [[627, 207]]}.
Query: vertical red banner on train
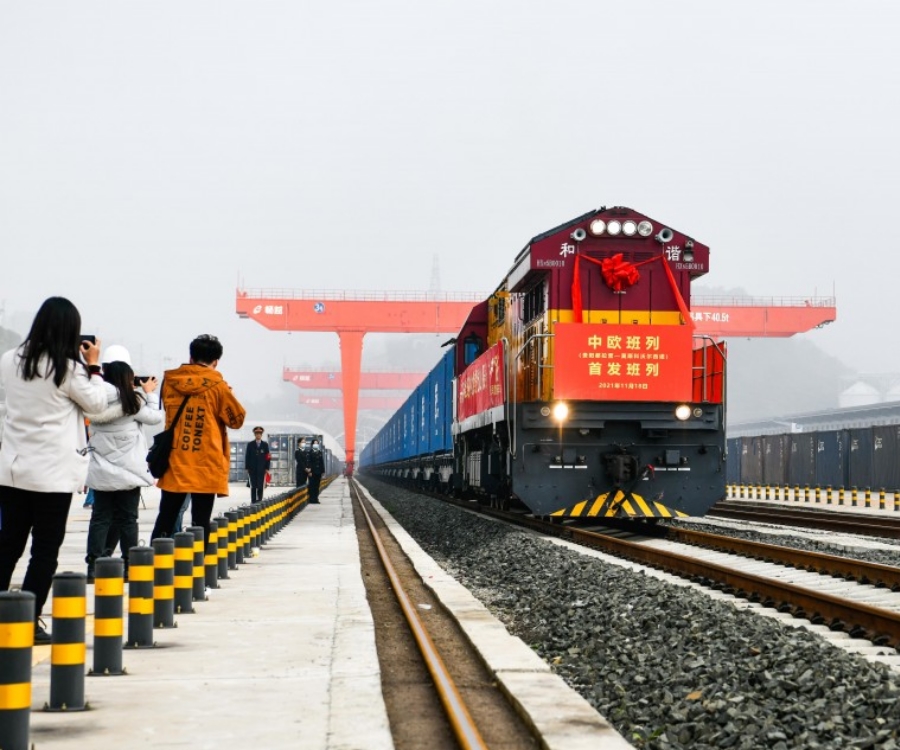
{"points": [[480, 387]]}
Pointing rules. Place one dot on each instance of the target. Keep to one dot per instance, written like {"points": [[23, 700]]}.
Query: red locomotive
{"points": [[579, 386]]}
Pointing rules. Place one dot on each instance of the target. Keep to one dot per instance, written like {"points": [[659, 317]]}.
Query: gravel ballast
{"points": [[666, 665]]}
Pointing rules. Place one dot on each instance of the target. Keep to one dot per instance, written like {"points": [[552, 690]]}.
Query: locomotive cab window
{"points": [[534, 302], [473, 347]]}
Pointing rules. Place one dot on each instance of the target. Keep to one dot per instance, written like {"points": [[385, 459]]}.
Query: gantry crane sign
{"points": [[352, 315]]}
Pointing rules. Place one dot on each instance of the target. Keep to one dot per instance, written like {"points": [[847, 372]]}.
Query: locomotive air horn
{"points": [[665, 235], [578, 235]]}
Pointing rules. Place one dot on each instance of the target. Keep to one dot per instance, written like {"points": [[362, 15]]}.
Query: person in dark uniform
{"points": [[256, 461], [316, 470], [300, 458]]}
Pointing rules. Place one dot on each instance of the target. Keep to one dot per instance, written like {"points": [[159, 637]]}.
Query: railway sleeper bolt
{"points": [[857, 632], [837, 625]]}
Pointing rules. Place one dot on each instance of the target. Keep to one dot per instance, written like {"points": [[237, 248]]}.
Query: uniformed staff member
{"points": [[256, 461], [316, 469], [300, 458]]}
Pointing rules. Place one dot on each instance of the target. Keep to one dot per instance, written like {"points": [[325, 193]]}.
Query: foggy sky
{"points": [[156, 156]]}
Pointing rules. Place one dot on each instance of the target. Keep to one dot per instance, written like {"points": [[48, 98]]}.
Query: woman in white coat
{"points": [[118, 467], [50, 380]]}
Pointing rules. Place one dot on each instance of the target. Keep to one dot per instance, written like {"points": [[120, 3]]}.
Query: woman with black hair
{"points": [[118, 468], [51, 379]]}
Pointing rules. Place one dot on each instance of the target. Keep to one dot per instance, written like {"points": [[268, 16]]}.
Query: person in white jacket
{"points": [[118, 467], [50, 380]]}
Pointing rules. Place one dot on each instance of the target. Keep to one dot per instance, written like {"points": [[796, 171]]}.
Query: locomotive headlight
{"points": [[698, 412], [645, 229], [614, 227], [629, 228], [560, 411], [597, 227], [682, 412]]}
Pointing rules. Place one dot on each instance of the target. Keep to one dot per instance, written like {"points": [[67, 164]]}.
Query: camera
{"points": [[138, 379], [89, 337]]}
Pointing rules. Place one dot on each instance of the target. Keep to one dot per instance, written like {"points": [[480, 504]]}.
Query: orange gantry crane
{"points": [[760, 317], [354, 314]]}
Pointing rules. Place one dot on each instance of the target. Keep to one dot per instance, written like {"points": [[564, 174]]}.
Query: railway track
{"points": [[859, 598], [886, 527], [438, 692]]}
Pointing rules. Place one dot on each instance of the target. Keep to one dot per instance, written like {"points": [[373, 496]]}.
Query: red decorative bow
{"points": [[619, 274]]}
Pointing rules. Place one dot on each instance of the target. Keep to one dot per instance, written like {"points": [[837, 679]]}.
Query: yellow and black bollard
{"points": [[828, 497], [163, 583], [198, 594], [854, 497], [255, 512], [232, 539], [222, 552], [68, 649], [841, 496], [211, 558], [16, 641], [263, 525], [140, 598], [184, 572], [868, 497], [109, 593], [246, 512], [882, 496], [238, 535]]}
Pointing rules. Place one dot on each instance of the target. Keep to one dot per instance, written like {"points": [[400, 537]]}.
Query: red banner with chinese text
{"points": [[597, 361], [481, 385]]}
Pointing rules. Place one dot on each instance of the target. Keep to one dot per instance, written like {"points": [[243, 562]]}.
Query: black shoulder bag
{"points": [[158, 455]]}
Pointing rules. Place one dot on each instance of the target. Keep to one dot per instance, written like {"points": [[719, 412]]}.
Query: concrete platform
{"points": [[283, 654]]}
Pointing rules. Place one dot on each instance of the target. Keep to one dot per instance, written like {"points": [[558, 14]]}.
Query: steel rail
{"points": [[883, 625], [460, 719], [849, 523], [819, 562]]}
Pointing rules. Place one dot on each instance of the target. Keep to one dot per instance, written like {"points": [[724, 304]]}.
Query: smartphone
{"points": [[138, 379], [89, 337]]}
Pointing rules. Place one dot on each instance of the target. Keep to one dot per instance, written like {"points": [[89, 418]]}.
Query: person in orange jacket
{"points": [[199, 462]]}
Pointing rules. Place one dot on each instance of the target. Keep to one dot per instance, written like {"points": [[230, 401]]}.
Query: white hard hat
{"points": [[116, 353]]}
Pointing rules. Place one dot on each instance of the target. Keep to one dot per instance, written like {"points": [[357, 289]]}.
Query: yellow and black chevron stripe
{"points": [[620, 506]]}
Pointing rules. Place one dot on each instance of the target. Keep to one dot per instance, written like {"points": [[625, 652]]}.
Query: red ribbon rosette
{"points": [[619, 274]]}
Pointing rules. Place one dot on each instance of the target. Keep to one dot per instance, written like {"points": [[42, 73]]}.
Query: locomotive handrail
{"points": [[722, 354], [509, 417]]}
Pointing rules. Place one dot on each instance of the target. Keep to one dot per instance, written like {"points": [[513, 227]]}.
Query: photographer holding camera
{"points": [[118, 468], [50, 381]]}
